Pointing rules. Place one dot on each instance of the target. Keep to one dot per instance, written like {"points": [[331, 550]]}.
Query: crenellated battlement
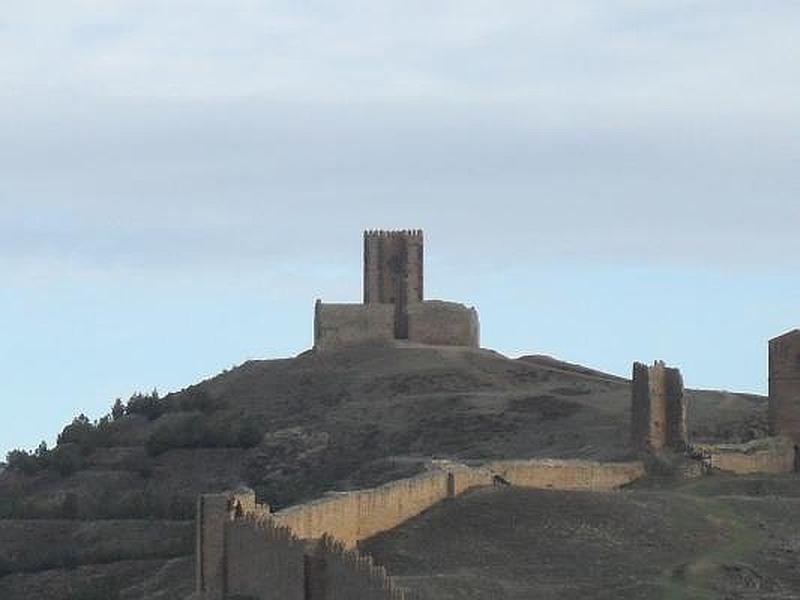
{"points": [[310, 551], [393, 233]]}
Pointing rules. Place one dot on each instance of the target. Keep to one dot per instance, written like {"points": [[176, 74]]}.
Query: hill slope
{"points": [[717, 538], [333, 421]]}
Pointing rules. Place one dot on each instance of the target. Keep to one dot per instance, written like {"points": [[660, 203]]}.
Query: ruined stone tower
{"points": [[393, 272], [658, 408], [784, 385]]}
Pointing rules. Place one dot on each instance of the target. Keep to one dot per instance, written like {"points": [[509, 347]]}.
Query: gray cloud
{"points": [[140, 135]]}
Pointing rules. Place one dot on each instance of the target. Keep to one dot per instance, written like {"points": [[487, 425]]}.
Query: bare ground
{"points": [[336, 421]]}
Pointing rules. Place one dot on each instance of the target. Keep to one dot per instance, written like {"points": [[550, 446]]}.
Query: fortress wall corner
{"points": [[337, 325], [214, 513], [441, 323]]}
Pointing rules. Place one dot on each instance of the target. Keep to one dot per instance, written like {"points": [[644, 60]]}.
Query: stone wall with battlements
{"points": [[263, 559], [353, 516], [393, 266], [339, 573], [784, 385], [241, 545]]}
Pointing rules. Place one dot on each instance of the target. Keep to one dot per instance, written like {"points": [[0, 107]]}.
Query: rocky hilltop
{"points": [[108, 513]]}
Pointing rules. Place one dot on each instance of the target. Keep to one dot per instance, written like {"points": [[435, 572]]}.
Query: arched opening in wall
{"points": [[451, 485]]}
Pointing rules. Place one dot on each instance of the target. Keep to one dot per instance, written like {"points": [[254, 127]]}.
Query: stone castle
{"points": [[310, 551], [394, 307]]}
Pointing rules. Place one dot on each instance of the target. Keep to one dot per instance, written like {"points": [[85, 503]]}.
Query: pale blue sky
{"points": [[605, 181]]}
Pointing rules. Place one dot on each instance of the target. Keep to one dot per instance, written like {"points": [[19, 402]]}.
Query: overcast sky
{"points": [[606, 181]]}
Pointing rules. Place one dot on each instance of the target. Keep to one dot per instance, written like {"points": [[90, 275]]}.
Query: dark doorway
{"points": [[797, 458]]}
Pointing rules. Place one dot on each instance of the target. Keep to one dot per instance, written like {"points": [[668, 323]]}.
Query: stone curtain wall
{"points": [[784, 385], [307, 552], [337, 325], [773, 455], [441, 323], [433, 322], [568, 474], [353, 516], [264, 560], [342, 574]]}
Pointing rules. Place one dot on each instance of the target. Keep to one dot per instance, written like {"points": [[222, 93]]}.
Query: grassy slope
{"points": [[687, 542], [358, 418]]}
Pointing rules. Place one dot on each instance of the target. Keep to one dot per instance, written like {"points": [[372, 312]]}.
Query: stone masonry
{"points": [[658, 409], [394, 307], [784, 385], [310, 551], [393, 272]]}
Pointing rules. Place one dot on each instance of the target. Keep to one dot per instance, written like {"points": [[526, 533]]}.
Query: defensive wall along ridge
{"points": [[309, 551]]}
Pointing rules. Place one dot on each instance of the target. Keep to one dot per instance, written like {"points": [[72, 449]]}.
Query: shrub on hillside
{"points": [[150, 405], [86, 435], [65, 459], [199, 400], [23, 461], [249, 435], [118, 410], [197, 431]]}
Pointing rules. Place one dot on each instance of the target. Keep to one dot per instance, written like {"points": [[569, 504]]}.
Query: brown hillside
{"points": [[333, 421], [716, 538]]}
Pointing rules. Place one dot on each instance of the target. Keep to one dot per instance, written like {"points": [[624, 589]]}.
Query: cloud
{"points": [[196, 135]]}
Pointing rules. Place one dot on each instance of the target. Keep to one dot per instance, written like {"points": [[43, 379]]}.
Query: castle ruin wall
{"points": [[771, 455], [338, 573], [441, 323], [568, 474], [264, 560], [337, 325], [307, 552], [353, 516]]}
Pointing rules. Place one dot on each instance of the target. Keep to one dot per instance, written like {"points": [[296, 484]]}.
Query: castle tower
{"points": [[658, 408], [393, 272], [784, 384]]}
